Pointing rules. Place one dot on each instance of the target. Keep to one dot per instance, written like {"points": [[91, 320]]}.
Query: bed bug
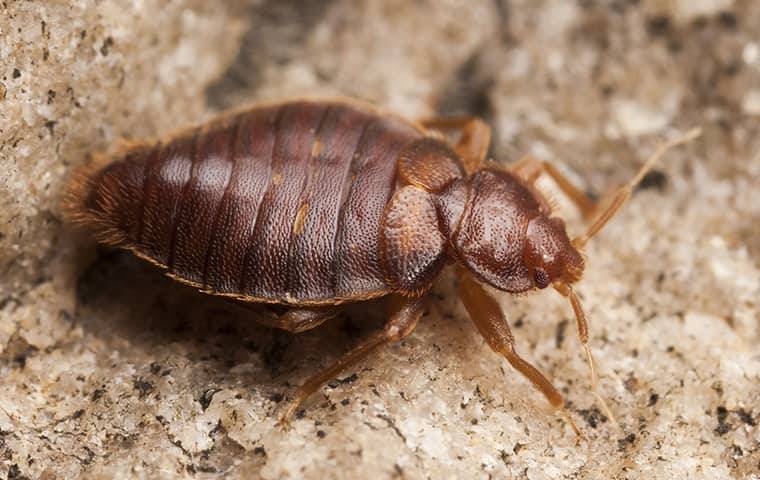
{"points": [[312, 204]]}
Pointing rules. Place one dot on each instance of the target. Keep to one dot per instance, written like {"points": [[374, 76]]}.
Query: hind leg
{"points": [[404, 314], [297, 320], [293, 320]]}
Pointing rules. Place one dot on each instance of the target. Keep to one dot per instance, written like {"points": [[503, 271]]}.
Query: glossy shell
{"points": [[280, 203]]}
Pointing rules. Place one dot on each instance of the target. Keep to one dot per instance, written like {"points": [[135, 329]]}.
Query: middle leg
{"points": [[474, 139]]}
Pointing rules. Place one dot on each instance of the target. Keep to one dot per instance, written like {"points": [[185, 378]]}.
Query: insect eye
{"points": [[541, 278]]}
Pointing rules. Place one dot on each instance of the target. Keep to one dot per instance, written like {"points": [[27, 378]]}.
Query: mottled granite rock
{"points": [[112, 371]]}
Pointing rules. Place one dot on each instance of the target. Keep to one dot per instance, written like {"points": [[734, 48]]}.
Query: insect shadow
{"points": [[148, 318]]}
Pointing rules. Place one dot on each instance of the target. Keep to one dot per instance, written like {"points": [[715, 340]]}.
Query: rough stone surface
{"points": [[109, 370]]}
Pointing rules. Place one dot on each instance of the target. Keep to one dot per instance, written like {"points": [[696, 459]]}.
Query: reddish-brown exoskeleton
{"points": [[313, 204]]}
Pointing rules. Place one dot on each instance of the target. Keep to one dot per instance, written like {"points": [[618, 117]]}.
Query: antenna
{"points": [[582, 325], [624, 193], [620, 198]]}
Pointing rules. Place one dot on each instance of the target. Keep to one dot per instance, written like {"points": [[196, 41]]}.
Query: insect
{"points": [[312, 204]]}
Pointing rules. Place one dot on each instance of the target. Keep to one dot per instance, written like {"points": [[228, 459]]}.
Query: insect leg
{"points": [[474, 139], [490, 321], [404, 314], [530, 168], [297, 320], [294, 320]]}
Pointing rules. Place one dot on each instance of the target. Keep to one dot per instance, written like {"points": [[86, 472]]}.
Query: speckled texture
{"points": [[112, 371]]}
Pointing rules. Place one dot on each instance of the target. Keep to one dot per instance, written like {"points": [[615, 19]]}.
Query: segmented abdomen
{"points": [[278, 203]]}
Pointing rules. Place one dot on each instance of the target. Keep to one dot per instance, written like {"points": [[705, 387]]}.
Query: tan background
{"points": [[109, 370]]}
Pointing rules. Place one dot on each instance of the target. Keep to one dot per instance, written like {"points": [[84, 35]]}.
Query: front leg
{"points": [[404, 314], [529, 169], [490, 321]]}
